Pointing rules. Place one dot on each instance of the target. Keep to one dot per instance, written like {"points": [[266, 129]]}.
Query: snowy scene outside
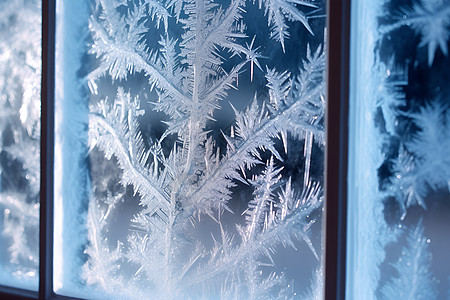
{"points": [[20, 79], [399, 171], [189, 149]]}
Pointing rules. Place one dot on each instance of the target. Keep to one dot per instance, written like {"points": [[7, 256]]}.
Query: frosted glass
{"points": [[20, 76], [399, 170], [189, 149]]}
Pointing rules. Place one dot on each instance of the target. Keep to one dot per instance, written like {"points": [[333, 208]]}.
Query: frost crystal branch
{"points": [[192, 54], [414, 280]]}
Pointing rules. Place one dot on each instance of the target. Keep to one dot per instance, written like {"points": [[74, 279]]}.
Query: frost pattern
{"points": [[414, 279], [315, 292], [422, 163], [20, 67], [402, 110], [420, 169], [430, 19], [192, 171]]}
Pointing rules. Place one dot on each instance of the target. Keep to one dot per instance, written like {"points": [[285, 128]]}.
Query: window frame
{"points": [[47, 150], [336, 154]]}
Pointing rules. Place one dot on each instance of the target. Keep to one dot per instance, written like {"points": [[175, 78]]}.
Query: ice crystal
{"points": [[419, 167], [414, 279], [316, 290], [430, 19]]}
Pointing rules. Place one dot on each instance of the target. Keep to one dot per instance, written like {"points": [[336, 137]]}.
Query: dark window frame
{"points": [[336, 153], [336, 157]]}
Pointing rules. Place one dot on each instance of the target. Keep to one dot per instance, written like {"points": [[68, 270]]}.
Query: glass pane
{"points": [[399, 172], [20, 105], [189, 149]]}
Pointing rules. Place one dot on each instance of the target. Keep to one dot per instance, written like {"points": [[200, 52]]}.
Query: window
{"points": [[20, 72], [197, 152], [186, 153], [398, 187]]}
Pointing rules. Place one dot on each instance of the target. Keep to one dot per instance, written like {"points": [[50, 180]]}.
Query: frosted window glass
{"points": [[189, 149], [399, 171], [20, 76]]}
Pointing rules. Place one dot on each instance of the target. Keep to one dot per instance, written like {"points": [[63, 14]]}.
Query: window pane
{"points": [[399, 172], [189, 149], [20, 76]]}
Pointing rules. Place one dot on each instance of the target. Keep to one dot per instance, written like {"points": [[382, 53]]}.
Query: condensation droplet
{"points": [[428, 241]]}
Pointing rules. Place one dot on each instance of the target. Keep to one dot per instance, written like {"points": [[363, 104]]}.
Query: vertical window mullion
{"points": [[337, 148], [47, 142]]}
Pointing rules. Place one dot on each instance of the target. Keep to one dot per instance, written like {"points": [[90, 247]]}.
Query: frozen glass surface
{"points": [[399, 171], [189, 149], [20, 76]]}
